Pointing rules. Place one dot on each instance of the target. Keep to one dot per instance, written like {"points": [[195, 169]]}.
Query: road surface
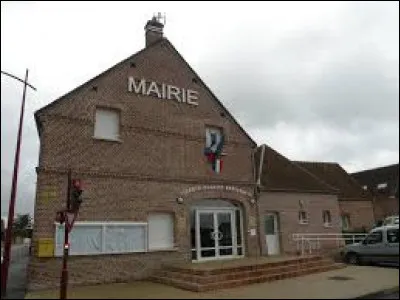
{"points": [[17, 272]]}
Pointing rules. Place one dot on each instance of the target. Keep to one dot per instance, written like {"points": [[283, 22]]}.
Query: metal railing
{"points": [[310, 242]]}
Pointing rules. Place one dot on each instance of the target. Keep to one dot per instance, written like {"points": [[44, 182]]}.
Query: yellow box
{"points": [[45, 248]]}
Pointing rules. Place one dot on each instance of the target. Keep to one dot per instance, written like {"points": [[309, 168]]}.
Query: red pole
{"points": [[7, 246], [64, 272]]}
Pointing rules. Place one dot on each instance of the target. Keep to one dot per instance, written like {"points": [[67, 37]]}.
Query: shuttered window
{"points": [[107, 124], [161, 231]]}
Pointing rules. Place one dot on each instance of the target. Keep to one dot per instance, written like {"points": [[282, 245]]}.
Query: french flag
{"points": [[218, 165]]}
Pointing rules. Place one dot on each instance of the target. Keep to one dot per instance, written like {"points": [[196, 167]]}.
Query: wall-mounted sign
{"points": [[216, 187], [162, 91]]}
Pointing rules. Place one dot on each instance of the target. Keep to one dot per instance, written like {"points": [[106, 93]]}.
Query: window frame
{"points": [[58, 245], [300, 217], [348, 221], [387, 235], [210, 129], [329, 223], [173, 219], [374, 233], [117, 138]]}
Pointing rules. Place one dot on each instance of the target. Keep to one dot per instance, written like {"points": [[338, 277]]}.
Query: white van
{"points": [[392, 220], [381, 245]]}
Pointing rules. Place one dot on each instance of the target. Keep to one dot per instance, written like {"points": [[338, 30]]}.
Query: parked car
{"points": [[392, 220], [381, 245]]}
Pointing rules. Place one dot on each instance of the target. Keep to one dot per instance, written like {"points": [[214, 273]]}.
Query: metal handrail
{"points": [[312, 241]]}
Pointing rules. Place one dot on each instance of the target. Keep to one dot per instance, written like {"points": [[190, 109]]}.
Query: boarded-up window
{"points": [[107, 124], [161, 231]]}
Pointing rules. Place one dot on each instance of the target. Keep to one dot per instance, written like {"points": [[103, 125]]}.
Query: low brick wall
{"points": [[44, 273]]}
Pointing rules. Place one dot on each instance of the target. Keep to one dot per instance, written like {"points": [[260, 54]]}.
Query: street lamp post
{"points": [[7, 247]]}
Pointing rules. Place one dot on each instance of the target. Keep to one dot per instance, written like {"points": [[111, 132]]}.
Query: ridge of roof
{"points": [[348, 186]]}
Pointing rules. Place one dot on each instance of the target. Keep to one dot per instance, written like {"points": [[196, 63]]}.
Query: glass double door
{"points": [[215, 234]]}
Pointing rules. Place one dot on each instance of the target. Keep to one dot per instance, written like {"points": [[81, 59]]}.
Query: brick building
{"points": [[145, 138], [169, 176], [293, 201], [355, 203], [383, 184]]}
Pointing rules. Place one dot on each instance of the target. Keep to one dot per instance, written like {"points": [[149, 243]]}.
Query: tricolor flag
{"points": [[214, 153], [217, 166]]}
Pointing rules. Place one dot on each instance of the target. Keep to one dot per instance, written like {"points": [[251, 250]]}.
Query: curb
{"points": [[377, 295]]}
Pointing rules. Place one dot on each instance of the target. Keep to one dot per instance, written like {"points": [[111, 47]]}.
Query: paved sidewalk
{"points": [[360, 281]]}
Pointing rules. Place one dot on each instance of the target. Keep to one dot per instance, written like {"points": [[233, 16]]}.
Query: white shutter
{"points": [[161, 231], [107, 124]]}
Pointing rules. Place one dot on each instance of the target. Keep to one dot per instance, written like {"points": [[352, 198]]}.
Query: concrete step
{"points": [[195, 282], [233, 273], [227, 270]]}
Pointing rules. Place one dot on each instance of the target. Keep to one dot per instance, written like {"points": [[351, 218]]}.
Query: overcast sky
{"points": [[313, 80]]}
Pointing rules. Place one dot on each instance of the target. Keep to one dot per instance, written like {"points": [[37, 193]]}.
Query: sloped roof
{"points": [[278, 173], [373, 177], [336, 176], [170, 46]]}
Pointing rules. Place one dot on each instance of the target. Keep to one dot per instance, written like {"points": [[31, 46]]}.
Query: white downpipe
{"points": [[261, 165]]}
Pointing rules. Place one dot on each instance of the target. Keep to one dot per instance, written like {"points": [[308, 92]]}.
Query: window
{"points": [[161, 231], [382, 186], [345, 222], [213, 137], [238, 217], [107, 124], [374, 237], [303, 217], [326, 217], [392, 236], [91, 238]]}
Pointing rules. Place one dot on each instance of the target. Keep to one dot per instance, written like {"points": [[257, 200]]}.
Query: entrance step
{"points": [[219, 278]]}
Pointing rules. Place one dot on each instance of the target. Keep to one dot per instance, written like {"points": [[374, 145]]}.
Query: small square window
{"points": [[303, 217], [107, 124], [326, 217]]}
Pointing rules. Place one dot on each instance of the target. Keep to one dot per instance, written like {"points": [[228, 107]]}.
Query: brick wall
{"points": [[121, 199], [361, 213], [385, 206], [287, 206], [159, 156]]}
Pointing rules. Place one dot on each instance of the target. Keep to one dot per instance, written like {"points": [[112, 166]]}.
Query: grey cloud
{"points": [[331, 80]]}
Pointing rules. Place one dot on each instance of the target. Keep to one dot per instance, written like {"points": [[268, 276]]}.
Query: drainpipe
{"points": [[256, 194]]}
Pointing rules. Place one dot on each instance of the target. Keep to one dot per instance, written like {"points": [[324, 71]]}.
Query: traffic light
{"points": [[76, 195]]}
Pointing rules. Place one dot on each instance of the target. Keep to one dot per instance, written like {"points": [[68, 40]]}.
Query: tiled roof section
{"points": [[281, 174], [387, 175], [336, 176]]}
